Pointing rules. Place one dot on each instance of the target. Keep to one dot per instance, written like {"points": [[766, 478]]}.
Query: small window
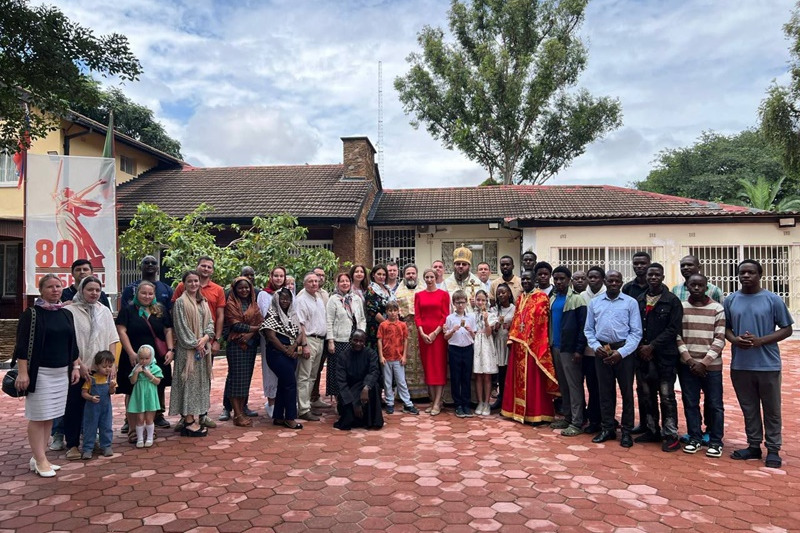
{"points": [[8, 171], [127, 165]]}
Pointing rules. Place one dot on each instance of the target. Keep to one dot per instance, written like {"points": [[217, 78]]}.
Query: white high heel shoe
{"points": [[43, 473]]}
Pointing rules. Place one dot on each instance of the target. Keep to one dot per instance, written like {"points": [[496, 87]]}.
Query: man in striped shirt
{"points": [[700, 348]]}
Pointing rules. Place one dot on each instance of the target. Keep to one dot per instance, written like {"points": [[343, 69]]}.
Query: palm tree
{"points": [[762, 195]]}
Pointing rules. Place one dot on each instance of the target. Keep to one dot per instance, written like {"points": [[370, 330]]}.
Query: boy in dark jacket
{"points": [[567, 344], [662, 315]]}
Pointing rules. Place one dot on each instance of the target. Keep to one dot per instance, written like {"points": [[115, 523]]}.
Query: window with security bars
{"points": [[608, 257], [395, 244], [323, 243], [482, 252], [9, 261], [719, 264]]}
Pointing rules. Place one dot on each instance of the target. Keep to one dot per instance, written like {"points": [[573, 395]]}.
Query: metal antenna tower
{"points": [[380, 116]]}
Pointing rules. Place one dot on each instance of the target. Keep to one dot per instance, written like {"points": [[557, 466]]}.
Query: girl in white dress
{"points": [[503, 313], [484, 362]]}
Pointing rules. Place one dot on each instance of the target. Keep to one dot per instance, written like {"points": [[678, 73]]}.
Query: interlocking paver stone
{"points": [[417, 474]]}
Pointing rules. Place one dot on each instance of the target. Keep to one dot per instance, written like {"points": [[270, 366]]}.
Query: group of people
{"points": [[531, 346]]}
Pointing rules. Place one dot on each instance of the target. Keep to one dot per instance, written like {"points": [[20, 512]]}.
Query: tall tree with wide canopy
{"points": [[780, 111], [130, 118], [46, 60], [504, 93]]}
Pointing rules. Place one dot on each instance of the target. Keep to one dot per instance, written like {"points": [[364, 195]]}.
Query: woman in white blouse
{"points": [[345, 314]]}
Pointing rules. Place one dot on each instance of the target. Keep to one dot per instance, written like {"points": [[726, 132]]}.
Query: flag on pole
{"points": [[109, 152], [20, 157], [108, 148]]}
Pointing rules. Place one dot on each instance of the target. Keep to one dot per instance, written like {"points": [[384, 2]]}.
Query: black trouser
{"points": [[759, 392], [658, 383], [608, 376], [640, 400], [73, 415], [593, 405], [501, 377]]}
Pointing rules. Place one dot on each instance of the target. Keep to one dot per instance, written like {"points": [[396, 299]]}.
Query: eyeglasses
{"points": [[149, 263]]}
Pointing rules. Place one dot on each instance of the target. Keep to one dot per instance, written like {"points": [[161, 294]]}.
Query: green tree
{"points": [[780, 110], [763, 194], [710, 168], [269, 242], [46, 61], [130, 118], [504, 92]]}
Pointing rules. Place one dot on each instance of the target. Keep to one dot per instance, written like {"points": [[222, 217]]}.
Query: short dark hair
{"points": [[563, 270], [656, 265], [508, 257], [699, 275], [392, 305], [597, 269], [104, 356], [542, 264], [485, 263], [751, 262], [81, 262], [391, 263], [641, 253], [205, 258]]}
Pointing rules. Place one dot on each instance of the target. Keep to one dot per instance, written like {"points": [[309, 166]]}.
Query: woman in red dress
{"points": [[531, 381], [431, 308]]}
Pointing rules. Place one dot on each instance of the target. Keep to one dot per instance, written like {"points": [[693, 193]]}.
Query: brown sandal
{"points": [[242, 421]]}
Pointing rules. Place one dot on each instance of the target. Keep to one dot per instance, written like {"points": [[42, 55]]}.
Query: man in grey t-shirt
{"points": [[756, 321]]}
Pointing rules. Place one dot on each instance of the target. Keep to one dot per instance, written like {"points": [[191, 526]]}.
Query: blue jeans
{"points": [[97, 416], [460, 359], [398, 371], [711, 385]]}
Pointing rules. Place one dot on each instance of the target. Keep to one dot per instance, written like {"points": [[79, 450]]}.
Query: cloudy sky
{"points": [[279, 82]]}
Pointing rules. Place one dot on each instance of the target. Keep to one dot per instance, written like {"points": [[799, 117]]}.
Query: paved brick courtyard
{"points": [[417, 474]]}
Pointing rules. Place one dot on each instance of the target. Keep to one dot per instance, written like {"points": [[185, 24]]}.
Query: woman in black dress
{"points": [[359, 398], [136, 325], [48, 363]]}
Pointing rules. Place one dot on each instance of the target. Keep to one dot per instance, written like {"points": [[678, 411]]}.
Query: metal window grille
{"points": [[482, 251], [608, 257], [396, 244], [9, 264], [325, 244], [719, 264]]}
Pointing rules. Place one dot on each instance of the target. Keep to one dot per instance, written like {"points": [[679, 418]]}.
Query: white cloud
{"points": [[279, 82]]}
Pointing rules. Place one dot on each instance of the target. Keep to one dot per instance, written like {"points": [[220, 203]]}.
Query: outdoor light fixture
{"points": [[786, 222], [494, 225]]}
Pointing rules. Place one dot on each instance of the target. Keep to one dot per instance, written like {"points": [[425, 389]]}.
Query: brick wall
{"points": [[359, 162]]}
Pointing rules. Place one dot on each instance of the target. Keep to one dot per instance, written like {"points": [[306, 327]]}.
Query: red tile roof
{"points": [[310, 192], [537, 202]]}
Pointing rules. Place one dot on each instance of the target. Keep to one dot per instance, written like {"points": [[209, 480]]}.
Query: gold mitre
{"points": [[462, 254]]}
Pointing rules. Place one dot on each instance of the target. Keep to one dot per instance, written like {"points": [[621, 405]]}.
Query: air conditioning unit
{"points": [[424, 228]]}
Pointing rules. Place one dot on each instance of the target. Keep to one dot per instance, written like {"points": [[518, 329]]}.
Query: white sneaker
{"points": [[270, 409], [485, 409], [140, 444], [147, 443], [58, 442]]}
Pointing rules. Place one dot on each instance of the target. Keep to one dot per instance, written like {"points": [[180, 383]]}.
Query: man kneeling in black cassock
{"points": [[357, 376]]}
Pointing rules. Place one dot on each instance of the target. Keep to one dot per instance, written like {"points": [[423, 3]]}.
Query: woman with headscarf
{"points": [[375, 300], [277, 281], [47, 356], [142, 322], [242, 320], [95, 331], [193, 324], [345, 314], [285, 343]]}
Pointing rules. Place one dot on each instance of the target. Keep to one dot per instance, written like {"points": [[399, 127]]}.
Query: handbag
{"points": [[160, 346], [10, 379]]}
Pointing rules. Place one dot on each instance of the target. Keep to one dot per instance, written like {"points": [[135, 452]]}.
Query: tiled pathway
{"points": [[417, 474]]}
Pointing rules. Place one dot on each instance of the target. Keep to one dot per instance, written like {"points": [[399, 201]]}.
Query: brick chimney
{"points": [[359, 158]]}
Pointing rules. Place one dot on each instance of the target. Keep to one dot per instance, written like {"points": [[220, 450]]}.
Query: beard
{"points": [[410, 284]]}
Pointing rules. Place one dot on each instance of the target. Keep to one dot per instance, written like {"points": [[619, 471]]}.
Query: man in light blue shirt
{"points": [[613, 330]]}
